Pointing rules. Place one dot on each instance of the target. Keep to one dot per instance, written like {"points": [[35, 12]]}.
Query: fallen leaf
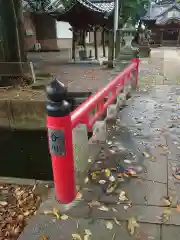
{"points": [[126, 207], [111, 187], [94, 176], [132, 225], [109, 225], [114, 210], [79, 196], [107, 172], [102, 181], [166, 214], [48, 212], [117, 222], [88, 232], [167, 201], [112, 179], [94, 203], [103, 208], [64, 217], [86, 180], [56, 213], [76, 236], [3, 203], [165, 148], [122, 196], [113, 237], [43, 237], [86, 237], [113, 169], [127, 161], [146, 154]]}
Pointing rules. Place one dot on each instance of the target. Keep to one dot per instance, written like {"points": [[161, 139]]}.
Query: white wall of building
{"points": [[62, 29]]}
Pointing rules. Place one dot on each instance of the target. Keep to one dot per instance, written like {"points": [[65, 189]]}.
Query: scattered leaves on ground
{"points": [[132, 225], [18, 204]]}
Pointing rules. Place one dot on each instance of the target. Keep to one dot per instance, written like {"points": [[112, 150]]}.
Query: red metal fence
{"points": [[61, 121]]}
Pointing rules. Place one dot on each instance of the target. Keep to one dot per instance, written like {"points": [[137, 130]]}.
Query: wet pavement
{"points": [[130, 192]]}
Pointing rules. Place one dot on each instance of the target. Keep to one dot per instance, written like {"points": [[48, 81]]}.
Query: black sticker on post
{"points": [[56, 142]]}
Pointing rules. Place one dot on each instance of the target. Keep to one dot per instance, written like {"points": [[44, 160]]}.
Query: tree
{"points": [[12, 31], [12, 39], [132, 8]]}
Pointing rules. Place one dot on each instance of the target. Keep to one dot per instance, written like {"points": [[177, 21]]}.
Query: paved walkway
{"points": [[142, 207], [146, 141]]}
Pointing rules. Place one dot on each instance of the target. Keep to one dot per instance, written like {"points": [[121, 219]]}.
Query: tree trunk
{"points": [[12, 30], [12, 39]]}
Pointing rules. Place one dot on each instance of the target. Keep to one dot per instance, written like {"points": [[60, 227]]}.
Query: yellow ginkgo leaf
{"points": [[56, 213], [107, 172], [43, 237]]}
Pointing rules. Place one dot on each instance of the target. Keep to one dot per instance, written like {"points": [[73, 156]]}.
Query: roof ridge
{"points": [[170, 7]]}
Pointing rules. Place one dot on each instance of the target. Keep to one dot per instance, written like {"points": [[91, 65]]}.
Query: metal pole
{"points": [[116, 16]]}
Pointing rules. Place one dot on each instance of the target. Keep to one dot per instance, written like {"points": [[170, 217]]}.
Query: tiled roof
{"points": [[156, 10], [105, 6]]}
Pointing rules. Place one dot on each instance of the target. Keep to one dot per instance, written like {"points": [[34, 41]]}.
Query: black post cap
{"points": [[56, 91]]}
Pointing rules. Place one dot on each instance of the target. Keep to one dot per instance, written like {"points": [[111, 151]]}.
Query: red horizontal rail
{"points": [[81, 113]]}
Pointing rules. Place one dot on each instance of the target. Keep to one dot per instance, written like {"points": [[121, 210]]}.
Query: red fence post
{"points": [[60, 141], [137, 71]]}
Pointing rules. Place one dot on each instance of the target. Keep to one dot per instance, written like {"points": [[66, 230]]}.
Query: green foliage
{"points": [[36, 5], [132, 8], [41, 5]]}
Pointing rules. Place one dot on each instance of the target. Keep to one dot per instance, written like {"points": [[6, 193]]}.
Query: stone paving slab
{"points": [[156, 170], [56, 230], [170, 232], [144, 214], [139, 192]]}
